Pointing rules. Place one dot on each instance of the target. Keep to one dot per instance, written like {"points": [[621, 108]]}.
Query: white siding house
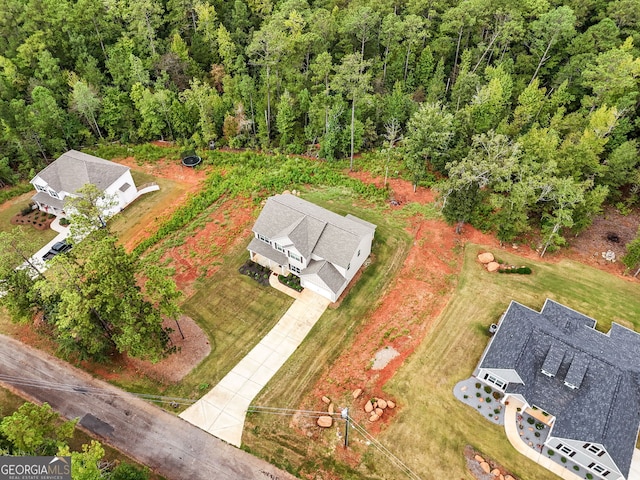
{"points": [[323, 248], [71, 171]]}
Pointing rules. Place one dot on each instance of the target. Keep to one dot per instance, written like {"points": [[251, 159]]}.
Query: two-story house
{"points": [[321, 247], [73, 170], [588, 382]]}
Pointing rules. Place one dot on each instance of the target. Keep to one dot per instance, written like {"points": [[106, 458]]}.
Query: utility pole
{"points": [[345, 415]]}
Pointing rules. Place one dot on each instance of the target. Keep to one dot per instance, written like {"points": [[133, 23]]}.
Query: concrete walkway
{"points": [[63, 233], [221, 412], [510, 426]]}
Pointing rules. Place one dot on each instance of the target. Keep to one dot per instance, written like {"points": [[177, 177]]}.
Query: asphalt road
{"points": [[167, 444]]}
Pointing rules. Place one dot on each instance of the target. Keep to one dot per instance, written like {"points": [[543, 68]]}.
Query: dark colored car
{"points": [[57, 248]]}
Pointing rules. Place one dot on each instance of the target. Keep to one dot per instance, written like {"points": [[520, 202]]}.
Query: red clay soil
{"points": [[419, 293], [229, 225], [191, 178]]}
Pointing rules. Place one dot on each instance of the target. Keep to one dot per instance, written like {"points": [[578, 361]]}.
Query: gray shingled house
{"points": [[73, 170], [321, 247], [588, 381]]}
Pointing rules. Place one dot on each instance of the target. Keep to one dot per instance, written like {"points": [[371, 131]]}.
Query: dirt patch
{"points": [[400, 191], [202, 252], [191, 179], [191, 350], [475, 460]]}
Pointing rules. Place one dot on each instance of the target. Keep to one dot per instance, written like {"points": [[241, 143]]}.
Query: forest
{"points": [[524, 114]]}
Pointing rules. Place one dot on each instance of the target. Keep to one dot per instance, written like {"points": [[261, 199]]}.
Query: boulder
{"points": [[379, 411], [508, 477], [356, 393], [368, 407], [493, 266], [375, 404], [485, 467], [373, 417], [391, 404], [501, 477], [286, 192], [486, 257], [331, 408], [325, 421], [479, 459], [326, 400], [382, 403], [495, 472]]}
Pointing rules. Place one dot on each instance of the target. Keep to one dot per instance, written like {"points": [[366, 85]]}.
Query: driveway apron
{"points": [[221, 412]]}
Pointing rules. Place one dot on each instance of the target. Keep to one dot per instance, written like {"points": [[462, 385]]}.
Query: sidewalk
{"points": [[222, 411]]}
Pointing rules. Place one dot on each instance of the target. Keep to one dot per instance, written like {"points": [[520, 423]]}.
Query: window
{"points": [[294, 269], [40, 188], [53, 193], [358, 252], [348, 266], [566, 450], [495, 380], [599, 469], [295, 257], [599, 451], [278, 247], [263, 238]]}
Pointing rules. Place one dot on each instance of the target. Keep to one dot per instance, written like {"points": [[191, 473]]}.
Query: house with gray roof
{"points": [[323, 248], [588, 382], [71, 171]]}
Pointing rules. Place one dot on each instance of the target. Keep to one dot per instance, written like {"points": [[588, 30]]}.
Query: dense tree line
{"points": [[527, 110]]}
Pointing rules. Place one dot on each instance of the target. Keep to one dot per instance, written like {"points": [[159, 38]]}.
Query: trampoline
{"points": [[191, 161]]}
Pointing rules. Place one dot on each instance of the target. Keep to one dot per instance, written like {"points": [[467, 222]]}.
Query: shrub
{"points": [[551, 453], [64, 221], [496, 411], [537, 434], [530, 420], [465, 396], [539, 426], [487, 389], [488, 399], [576, 468], [478, 394], [477, 384], [589, 476], [26, 210], [563, 460], [497, 395]]}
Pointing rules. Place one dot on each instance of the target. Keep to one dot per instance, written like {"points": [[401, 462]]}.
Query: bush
{"points": [[539, 426], [465, 396], [497, 395], [477, 384], [64, 221], [496, 411], [26, 210], [478, 394], [487, 389], [576, 468], [563, 460], [589, 476], [488, 399], [530, 420], [537, 434], [551, 453]]}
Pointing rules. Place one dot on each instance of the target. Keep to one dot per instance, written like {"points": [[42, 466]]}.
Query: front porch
{"points": [[48, 204]]}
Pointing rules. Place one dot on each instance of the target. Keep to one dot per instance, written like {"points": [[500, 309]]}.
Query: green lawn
{"points": [[271, 436], [127, 225], [13, 207], [432, 428]]}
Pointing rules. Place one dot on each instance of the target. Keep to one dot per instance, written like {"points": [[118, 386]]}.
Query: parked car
{"points": [[57, 248]]}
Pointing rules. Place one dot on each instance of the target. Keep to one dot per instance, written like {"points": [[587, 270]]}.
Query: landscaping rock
{"points": [[493, 266], [501, 477], [286, 192], [331, 408], [485, 467], [374, 418], [391, 404], [382, 403], [508, 477], [486, 257], [326, 400], [375, 404], [479, 459], [356, 393], [325, 421], [379, 412], [495, 472], [368, 407]]}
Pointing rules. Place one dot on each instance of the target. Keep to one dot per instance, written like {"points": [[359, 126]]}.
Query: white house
{"points": [[587, 382], [321, 247], [71, 171]]}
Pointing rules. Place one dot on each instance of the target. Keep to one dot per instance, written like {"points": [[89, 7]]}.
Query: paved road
{"points": [[167, 444]]}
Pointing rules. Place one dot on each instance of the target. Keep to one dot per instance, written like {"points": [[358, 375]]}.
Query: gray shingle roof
{"points": [[47, 199], [73, 170], [312, 229], [605, 408], [266, 251], [327, 273]]}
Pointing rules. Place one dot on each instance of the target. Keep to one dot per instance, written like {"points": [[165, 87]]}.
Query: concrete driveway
{"points": [[167, 444], [221, 412], [63, 233]]}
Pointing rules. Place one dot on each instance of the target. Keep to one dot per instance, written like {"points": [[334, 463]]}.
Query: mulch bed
{"points": [[259, 273], [472, 457], [37, 219]]}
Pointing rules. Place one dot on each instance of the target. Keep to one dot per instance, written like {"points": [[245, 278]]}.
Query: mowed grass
{"points": [[271, 436], [126, 225], [432, 427], [235, 312], [13, 207]]}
